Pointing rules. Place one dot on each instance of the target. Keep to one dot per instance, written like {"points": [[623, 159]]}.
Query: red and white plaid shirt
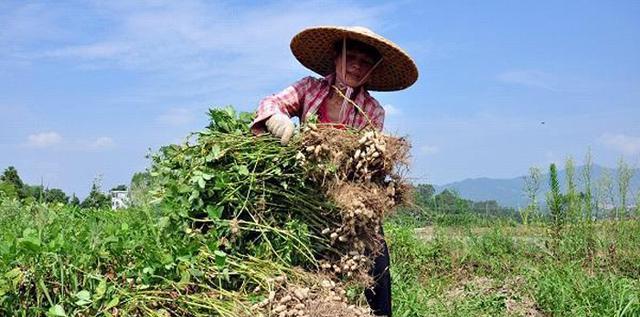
{"points": [[305, 97]]}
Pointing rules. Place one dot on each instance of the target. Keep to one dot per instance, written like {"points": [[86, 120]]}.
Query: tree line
{"points": [[448, 207], [13, 187]]}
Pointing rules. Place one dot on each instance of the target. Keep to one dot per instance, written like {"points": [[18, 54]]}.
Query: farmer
{"points": [[353, 60]]}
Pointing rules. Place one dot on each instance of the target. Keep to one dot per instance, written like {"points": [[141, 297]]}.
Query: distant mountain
{"points": [[510, 192]]}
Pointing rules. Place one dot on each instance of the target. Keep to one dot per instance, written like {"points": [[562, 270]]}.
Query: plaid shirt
{"points": [[305, 97]]}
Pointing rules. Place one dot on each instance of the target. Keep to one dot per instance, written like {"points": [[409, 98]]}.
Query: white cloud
{"points": [[391, 110], [529, 78], [176, 117], [44, 139], [195, 40], [206, 50], [626, 144], [429, 149], [102, 143]]}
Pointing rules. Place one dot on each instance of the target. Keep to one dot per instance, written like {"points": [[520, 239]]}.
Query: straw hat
{"points": [[314, 48]]}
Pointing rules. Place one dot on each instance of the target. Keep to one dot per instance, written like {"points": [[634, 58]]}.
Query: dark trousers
{"points": [[379, 296]]}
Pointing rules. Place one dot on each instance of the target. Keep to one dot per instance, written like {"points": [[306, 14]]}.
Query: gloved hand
{"points": [[281, 126]]}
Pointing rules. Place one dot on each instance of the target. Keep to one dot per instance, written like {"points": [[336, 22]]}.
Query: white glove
{"points": [[281, 126]]}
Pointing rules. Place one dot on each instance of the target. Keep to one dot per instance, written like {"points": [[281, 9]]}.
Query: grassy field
{"points": [[515, 270], [61, 261]]}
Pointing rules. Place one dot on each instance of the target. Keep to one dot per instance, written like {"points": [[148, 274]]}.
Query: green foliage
{"points": [[504, 270], [17, 186], [568, 290], [248, 192], [56, 196], [33, 193], [86, 262], [464, 218], [625, 173], [605, 194], [572, 199], [120, 187], [234, 211], [449, 201], [563, 265], [532, 187], [56, 259], [412, 261], [556, 203], [12, 187], [447, 208], [227, 197], [424, 194], [140, 188], [8, 191], [96, 199], [226, 120], [588, 191], [10, 176], [74, 201]]}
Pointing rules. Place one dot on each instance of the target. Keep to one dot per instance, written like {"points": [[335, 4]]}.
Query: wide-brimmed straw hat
{"points": [[314, 48]]}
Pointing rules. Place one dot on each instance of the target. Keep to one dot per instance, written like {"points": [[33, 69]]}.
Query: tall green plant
{"points": [[625, 174], [572, 198], [531, 188], [587, 202], [605, 202], [96, 199], [140, 188], [586, 181], [556, 203]]}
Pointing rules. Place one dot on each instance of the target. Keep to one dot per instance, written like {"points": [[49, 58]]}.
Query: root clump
{"points": [[362, 174]]}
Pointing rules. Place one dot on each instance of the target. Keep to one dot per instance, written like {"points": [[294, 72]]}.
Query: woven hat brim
{"points": [[314, 48]]}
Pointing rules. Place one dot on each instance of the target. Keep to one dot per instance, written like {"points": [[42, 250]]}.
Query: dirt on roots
{"points": [[363, 175]]}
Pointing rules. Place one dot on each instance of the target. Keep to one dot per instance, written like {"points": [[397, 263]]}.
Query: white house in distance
{"points": [[119, 199]]}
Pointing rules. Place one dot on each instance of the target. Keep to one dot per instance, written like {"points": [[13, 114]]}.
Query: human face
{"points": [[358, 65]]}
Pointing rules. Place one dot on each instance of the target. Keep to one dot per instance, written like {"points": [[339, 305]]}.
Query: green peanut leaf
{"points": [[221, 258], [84, 298], [243, 170], [101, 289], [57, 311], [214, 212], [113, 302]]}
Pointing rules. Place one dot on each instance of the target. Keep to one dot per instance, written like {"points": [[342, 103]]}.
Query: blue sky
{"points": [[88, 87]]}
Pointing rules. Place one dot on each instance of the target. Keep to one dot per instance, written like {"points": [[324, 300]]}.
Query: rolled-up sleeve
{"points": [[290, 101]]}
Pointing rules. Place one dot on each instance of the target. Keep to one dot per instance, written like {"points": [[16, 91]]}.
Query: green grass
{"points": [[56, 260], [507, 270], [59, 261]]}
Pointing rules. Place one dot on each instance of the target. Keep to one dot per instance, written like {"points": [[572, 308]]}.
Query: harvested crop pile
{"points": [[317, 203], [241, 226]]}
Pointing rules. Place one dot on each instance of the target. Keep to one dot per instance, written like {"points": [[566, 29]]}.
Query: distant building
{"points": [[119, 199]]}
